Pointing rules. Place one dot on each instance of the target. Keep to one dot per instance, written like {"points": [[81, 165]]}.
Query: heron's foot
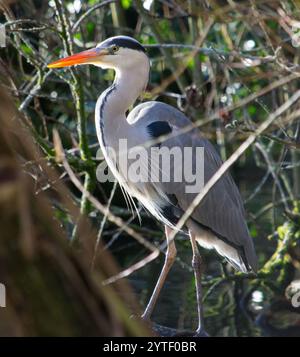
{"points": [[134, 317], [147, 320], [201, 333], [139, 317], [146, 316]]}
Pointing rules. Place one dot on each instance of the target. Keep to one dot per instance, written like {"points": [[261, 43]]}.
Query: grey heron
{"points": [[219, 221]]}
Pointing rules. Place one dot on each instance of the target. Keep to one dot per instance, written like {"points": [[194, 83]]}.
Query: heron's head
{"points": [[120, 52]]}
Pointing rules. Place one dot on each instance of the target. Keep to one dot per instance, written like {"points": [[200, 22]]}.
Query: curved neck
{"points": [[129, 83]]}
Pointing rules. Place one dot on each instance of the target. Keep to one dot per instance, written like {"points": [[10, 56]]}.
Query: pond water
{"points": [[231, 308]]}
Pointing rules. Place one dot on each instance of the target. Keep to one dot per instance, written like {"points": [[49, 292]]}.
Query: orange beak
{"points": [[84, 57]]}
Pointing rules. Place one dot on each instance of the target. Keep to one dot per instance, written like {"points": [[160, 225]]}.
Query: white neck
{"points": [[129, 83]]}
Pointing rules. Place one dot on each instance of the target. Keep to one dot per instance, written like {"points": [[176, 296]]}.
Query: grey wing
{"points": [[221, 212]]}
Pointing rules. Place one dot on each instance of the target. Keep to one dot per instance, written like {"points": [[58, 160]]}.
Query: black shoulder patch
{"points": [[172, 212], [159, 128], [169, 214]]}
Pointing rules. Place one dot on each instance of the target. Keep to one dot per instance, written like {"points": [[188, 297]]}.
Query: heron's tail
{"points": [[242, 258]]}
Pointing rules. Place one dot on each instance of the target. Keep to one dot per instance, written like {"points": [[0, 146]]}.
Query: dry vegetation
{"points": [[231, 66]]}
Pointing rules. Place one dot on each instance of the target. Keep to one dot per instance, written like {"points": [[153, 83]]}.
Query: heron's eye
{"points": [[115, 48]]}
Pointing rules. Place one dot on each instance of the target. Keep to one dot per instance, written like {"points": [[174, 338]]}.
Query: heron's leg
{"points": [[196, 263], [169, 260]]}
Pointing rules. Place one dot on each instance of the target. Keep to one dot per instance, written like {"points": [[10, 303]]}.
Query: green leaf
{"points": [[253, 231], [191, 63], [203, 57], [90, 27], [26, 49], [272, 24], [78, 36], [126, 4], [252, 109]]}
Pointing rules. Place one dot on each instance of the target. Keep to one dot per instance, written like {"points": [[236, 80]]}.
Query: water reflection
{"points": [[231, 307]]}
